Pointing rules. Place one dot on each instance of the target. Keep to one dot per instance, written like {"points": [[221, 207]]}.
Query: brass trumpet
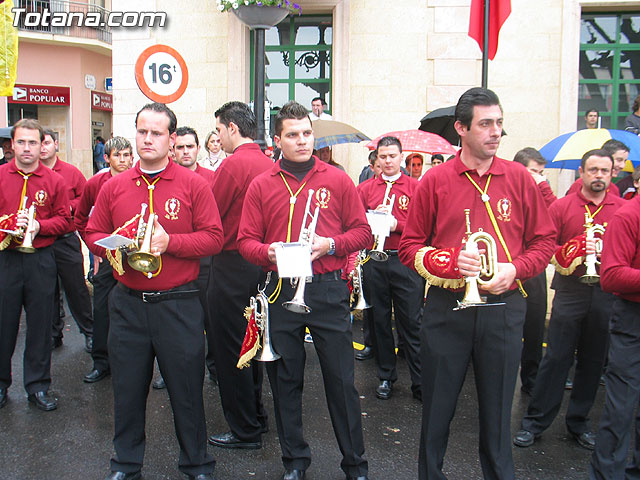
{"points": [[489, 265], [143, 260], [358, 291], [591, 276], [260, 305], [377, 253], [296, 304], [27, 233]]}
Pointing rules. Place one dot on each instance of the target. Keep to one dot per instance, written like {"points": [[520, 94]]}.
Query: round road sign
{"points": [[162, 74]]}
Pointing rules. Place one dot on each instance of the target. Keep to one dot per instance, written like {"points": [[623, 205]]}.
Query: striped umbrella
{"points": [[330, 132], [566, 151], [418, 141]]}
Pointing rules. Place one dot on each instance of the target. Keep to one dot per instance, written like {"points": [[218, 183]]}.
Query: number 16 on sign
{"points": [[161, 74]]}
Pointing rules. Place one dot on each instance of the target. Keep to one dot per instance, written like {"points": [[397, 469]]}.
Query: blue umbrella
{"points": [[330, 132], [566, 151]]}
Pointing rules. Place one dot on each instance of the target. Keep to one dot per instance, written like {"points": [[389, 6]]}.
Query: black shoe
{"points": [[417, 394], [56, 342], [585, 440], [88, 343], [568, 385], [202, 476], [229, 440], [400, 353], [3, 397], [159, 384], [602, 381], [293, 474], [383, 391], [361, 477], [96, 375], [213, 376], [264, 427], [526, 389], [365, 354], [124, 476], [43, 401], [524, 438]]}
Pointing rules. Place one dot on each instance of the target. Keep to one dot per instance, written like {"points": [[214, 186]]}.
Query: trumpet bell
{"points": [[267, 354], [25, 249], [361, 303], [296, 307], [143, 262], [378, 255], [590, 279]]}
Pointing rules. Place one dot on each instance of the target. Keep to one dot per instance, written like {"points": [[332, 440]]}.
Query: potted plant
{"points": [[260, 13]]}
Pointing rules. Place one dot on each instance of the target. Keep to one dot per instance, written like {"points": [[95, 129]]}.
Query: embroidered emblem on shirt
{"points": [[138, 183], [40, 198], [504, 209], [323, 195], [172, 207], [403, 202]]}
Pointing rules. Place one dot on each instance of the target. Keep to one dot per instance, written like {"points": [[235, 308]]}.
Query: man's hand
{"points": [[538, 177], [96, 264], [272, 251], [590, 246], [159, 239], [468, 263], [319, 247], [502, 280]]}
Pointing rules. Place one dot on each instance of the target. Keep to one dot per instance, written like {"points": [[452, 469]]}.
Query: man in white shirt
{"points": [[317, 110]]}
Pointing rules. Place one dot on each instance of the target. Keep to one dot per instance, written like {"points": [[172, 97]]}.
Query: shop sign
{"points": [[101, 101], [40, 95]]}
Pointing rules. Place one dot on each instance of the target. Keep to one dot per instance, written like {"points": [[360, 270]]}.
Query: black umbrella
{"points": [[441, 121], [5, 132]]}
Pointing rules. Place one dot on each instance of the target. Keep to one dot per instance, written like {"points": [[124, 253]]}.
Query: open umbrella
{"points": [[418, 141], [566, 151], [441, 121], [330, 132], [5, 132]]}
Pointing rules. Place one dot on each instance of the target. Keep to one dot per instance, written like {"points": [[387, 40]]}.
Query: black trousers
{"points": [[491, 339], [232, 282], [103, 283], [70, 265], [579, 321], [609, 460], [533, 332], [172, 331], [393, 284], [27, 279], [203, 285], [330, 325]]}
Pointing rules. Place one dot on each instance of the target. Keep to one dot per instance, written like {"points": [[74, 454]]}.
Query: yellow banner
{"points": [[8, 49]]}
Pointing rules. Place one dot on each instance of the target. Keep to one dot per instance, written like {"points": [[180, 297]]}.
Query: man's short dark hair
{"points": [[636, 104], [324, 104], [387, 142], [290, 111], [612, 146], [597, 152], [117, 144], [471, 98], [373, 156], [241, 115], [29, 124], [182, 131], [160, 108], [528, 154], [591, 110], [51, 133]]}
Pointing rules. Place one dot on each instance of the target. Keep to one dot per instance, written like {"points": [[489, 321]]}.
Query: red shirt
{"points": [[568, 213], [186, 210], [372, 193], [620, 268], [437, 219], [547, 193], [232, 179], [49, 192], [208, 175], [577, 185], [75, 181], [88, 199], [266, 212]]}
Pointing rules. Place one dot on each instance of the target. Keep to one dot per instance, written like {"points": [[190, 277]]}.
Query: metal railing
{"points": [[43, 22]]}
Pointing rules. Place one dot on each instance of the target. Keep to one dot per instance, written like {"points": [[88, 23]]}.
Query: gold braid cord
{"points": [[451, 283]]}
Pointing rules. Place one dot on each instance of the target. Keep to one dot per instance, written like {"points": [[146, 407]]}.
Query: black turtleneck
{"points": [[297, 169]]}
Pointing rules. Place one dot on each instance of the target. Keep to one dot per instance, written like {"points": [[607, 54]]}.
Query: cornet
{"points": [[377, 253], [591, 276], [296, 304], [260, 305], [358, 289], [27, 233], [143, 260], [489, 266]]}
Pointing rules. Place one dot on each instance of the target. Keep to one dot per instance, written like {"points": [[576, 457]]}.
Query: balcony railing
{"points": [[43, 22]]}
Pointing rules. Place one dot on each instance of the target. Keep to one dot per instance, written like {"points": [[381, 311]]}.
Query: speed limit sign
{"points": [[162, 74]]}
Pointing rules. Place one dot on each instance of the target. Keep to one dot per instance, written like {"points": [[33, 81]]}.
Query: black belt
{"points": [[66, 235], [391, 252], [187, 290], [497, 298], [317, 277]]}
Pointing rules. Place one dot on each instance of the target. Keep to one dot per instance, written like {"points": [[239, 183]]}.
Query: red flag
{"points": [[499, 10]]}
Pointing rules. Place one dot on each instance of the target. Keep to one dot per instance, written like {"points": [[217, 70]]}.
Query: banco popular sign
{"points": [[40, 95]]}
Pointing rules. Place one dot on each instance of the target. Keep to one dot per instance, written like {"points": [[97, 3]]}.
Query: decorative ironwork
{"points": [[309, 60]]}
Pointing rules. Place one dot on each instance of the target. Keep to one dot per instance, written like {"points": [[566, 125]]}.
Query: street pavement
{"points": [[74, 441]]}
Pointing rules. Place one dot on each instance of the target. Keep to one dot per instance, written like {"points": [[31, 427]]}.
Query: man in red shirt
{"points": [[390, 284], [157, 314], [620, 275], [580, 313], [118, 155], [233, 281], [504, 202], [29, 279], [273, 213], [68, 251]]}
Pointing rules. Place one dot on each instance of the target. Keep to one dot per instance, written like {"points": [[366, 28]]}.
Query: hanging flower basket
{"points": [[259, 14]]}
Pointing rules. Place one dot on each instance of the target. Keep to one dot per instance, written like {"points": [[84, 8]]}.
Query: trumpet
{"points": [[358, 291], [260, 305], [296, 304], [591, 276], [377, 253], [143, 260], [27, 233], [488, 268]]}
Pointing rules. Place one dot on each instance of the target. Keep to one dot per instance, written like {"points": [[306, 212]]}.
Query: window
{"points": [[298, 61], [609, 66]]}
